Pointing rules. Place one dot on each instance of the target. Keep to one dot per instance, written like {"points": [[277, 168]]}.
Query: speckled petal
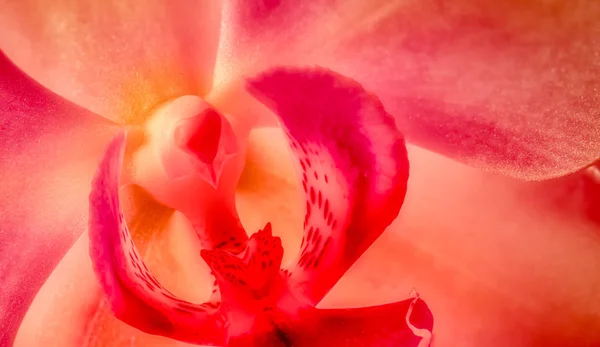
{"points": [[134, 294], [352, 163]]}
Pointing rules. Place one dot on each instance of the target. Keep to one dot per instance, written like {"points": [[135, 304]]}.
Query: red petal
{"points": [[48, 150], [508, 87], [353, 165], [406, 323], [134, 294], [116, 58]]}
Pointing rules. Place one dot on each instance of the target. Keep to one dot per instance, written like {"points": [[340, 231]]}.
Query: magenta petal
{"points": [[135, 296], [507, 86], [353, 165], [49, 148], [391, 325]]}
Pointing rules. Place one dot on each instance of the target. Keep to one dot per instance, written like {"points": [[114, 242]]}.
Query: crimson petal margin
{"points": [[134, 294]]}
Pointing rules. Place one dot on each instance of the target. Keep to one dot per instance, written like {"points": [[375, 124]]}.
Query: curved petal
{"points": [[116, 58], [353, 165], [403, 324], [71, 310], [48, 151], [509, 87], [134, 294]]}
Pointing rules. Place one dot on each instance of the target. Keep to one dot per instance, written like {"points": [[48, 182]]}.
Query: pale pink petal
{"points": [[48, 151], [500, 262], [352, 163], [510, 87], [134, 294], [116, 58], [403, 324]]}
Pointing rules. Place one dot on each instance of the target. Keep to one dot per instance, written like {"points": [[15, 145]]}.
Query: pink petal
{"points": [[48, 151], [135, 296], [403, 324], [116, 58], [507, 87], [353, 165]]}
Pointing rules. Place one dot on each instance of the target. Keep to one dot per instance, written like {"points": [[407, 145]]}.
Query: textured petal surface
{"points": [[71, 309], [353, 165], [117, 58], [506, 86], [48, 151], [499, 261], [388, 325], [135, 296]]}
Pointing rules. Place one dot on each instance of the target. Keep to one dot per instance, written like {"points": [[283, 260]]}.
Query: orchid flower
{"points": [[203, 100]]}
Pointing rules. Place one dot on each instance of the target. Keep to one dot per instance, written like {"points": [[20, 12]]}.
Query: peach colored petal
{"points": [[48, 151], [71, 311], [510, 86], [501, 262], [116, 58]]}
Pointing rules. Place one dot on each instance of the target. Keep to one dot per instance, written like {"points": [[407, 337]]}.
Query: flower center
{"points": [[190, 151]]}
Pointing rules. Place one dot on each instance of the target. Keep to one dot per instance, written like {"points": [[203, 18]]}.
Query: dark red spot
{"points": [[326, 179], [320, 199], [310, 234], [323, 250], [309, 262], [317, 241], [316, 176], [326, 208], [153, 280], [303, 149]]}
